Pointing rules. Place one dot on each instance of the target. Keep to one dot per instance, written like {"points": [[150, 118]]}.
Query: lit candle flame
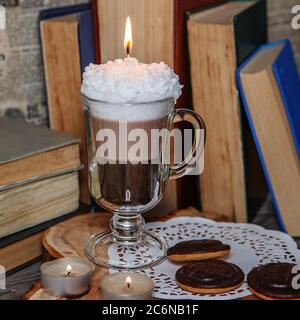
{"points": [[69, 270], [128, 43], [128, 282]]}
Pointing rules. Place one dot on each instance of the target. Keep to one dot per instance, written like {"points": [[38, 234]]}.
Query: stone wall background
{"points": [[22, 91], [279, 21]]}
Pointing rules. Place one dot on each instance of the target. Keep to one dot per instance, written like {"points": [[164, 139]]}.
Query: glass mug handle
{"points": [[187, 165]]}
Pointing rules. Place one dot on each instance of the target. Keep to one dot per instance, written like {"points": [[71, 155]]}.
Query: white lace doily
{"points": [[251, 246]]}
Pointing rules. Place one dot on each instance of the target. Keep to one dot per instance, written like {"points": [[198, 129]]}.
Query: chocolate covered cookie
{"points": [[210, 277], [273, 281], [196, 250]]}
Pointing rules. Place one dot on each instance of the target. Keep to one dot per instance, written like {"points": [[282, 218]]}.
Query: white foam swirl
{"points": [[129, 81]]}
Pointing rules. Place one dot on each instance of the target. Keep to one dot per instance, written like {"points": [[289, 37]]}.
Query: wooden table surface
{"points": [[23, 280]]}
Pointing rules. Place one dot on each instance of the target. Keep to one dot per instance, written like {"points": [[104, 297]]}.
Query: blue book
{"points": [[86, 38], [84, 16], [273, 112], [287, 76], [288, 80], [63, 11]]}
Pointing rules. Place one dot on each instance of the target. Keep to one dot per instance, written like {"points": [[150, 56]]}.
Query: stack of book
{"points": [[94, 33], [38, 186], [221, 36], [259, 111]]}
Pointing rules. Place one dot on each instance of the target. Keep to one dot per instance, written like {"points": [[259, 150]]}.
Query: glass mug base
{"points": [[103, 250]]}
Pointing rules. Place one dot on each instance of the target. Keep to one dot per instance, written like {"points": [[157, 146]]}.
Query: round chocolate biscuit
{"points": [[273, 281], [210, 277], [196, 250]]}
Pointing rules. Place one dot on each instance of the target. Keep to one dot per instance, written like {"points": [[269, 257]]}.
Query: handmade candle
{"points": [[130, 108], [140, 96], [67, 277], [126, 286], [128, 81]]}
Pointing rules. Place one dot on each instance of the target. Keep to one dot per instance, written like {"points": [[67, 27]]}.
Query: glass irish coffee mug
{"points": [[129, 168]]}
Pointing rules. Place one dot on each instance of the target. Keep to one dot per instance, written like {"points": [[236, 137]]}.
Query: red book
{"points": [[96, 31]]}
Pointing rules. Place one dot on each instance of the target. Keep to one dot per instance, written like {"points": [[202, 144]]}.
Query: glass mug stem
{"points": [[127, 229]]}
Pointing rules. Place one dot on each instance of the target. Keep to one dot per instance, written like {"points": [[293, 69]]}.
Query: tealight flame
{"points": [[128, 282], [128, 43], [69, 270]]}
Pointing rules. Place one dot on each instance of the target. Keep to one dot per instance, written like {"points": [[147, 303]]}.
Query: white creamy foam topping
{"points": [[129, 81]]}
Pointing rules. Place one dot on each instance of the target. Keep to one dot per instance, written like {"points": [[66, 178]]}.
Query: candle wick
{"points": [[128, 285], [128, 49], [69, 273]]}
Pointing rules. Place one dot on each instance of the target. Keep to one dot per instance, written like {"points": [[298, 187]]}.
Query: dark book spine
{"points": [[248, 37], [187, 187], [86, 39]]}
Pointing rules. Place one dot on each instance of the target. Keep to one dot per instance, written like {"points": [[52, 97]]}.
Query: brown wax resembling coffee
{"points": [[197, 250], [115, 178], [273, 281], [212, 277]]}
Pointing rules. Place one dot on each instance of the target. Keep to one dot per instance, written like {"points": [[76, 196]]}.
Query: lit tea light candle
{"points": [[127, 286], [67, 277], [128, 282], [69, 270]]}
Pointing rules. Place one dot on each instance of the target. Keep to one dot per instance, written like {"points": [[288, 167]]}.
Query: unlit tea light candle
{"points": [[66, 277], [127, 286]]}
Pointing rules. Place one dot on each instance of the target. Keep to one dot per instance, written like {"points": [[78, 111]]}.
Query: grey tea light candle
{"points": [[66, 277], [127, 286]]}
